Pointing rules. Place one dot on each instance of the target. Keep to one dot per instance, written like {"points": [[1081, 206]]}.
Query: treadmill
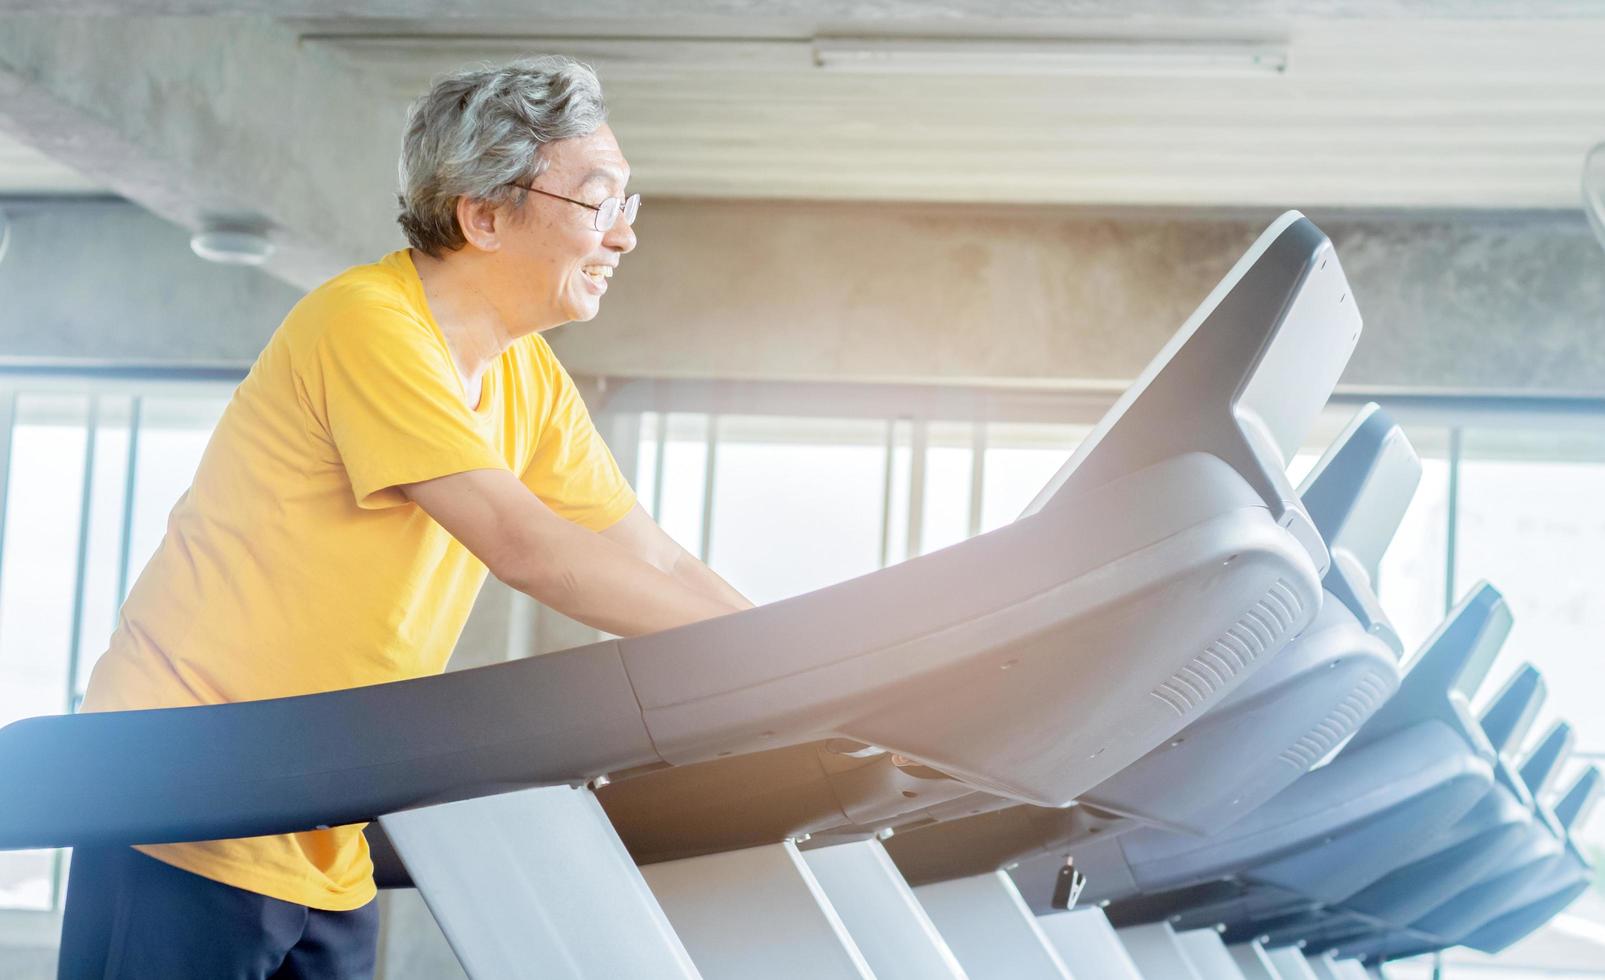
{"points": [[1566, 879], [1518, 898], [1533, 872], [1217, 372], [1473, 848], [1338, 672], [1417, 766], [1162, 565]]}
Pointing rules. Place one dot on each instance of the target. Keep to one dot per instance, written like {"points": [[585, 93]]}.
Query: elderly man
{"points": [[405, 429]]}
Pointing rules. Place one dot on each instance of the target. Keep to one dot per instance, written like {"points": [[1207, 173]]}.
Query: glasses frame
{"points": [[626, 208]]}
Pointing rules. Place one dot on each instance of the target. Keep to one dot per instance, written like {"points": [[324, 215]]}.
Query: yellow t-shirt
{"points": [[294, 565]]}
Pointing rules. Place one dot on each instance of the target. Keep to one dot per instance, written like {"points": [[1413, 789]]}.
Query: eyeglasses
{"points": [[607, 213]]}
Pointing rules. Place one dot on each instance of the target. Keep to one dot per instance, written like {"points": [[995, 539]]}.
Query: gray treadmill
{"points": [[1470, 849], [1567, 878], [1506, 905], [1217, 372], [1475, 847], [1418, 765], [1165, 562], [1536, 865], [1260, 739]]}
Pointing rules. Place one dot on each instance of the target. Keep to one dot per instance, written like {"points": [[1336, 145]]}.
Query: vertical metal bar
{"points": [[706, 545], [625, 444], [977, 475], [130, 473], [919, 439], [1450, 590], [8, 421], [75, 633], [657, 466], [58, 865], [886, 493]]}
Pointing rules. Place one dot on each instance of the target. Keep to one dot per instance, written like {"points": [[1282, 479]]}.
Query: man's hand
{"points": [[579, 573], [642, 537]]}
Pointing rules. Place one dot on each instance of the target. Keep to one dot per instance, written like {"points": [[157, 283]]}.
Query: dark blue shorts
{"points": [[129, 915]]}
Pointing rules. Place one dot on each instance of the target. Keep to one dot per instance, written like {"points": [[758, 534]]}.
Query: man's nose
{"points": [[620, 237]]}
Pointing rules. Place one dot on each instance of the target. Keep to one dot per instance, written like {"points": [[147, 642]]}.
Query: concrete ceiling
{"points": [[24, 170], [865, 10], [1378, 106], [294, 118], [1368, 113]]}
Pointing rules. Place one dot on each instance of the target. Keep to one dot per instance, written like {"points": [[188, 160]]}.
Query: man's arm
{"points": [[642, 537], [577, 572]]}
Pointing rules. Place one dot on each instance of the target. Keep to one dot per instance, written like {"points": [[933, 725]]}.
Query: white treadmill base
{"points": [[1087, 943], [990, 930], [1290, 963], [756, 912], [1253, 961], [1154, 949], [881, 913], [1323, 966], [552, 903], [1349, 970], [1204, 949]]}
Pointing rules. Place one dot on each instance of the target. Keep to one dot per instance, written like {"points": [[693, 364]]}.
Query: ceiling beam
{"points": [[216, 118], [995, 296], [830, 10], [1011, 295]]}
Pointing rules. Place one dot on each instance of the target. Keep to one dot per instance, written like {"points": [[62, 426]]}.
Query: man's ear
{"points": [[482, 223]]}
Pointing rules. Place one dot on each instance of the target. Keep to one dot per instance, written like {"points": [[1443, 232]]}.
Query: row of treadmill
{"points": [[1157, 727]]}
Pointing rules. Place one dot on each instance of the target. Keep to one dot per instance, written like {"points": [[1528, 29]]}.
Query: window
{"points": [[826, 476], [1019, 460], [90, 471], [790, 488], [41, 535], [1530, 521]]}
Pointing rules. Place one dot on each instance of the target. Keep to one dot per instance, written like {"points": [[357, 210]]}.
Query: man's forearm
{"points": [[700, 578], [640, 535], [583, 574], [605, 587]]}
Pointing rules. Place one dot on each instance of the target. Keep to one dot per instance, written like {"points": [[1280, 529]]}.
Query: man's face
{"points": [[560, 263]]}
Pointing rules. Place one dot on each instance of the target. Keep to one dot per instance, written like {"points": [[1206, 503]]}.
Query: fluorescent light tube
{"points": [[1048, 56]]}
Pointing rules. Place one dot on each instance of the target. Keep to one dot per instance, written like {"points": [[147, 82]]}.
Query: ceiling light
{"points": [[1050, 56], [233, 242]]}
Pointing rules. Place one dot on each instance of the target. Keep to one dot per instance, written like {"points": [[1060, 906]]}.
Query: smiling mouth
{"points": [[598, 273]]}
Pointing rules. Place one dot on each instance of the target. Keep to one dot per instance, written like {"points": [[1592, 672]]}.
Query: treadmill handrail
{"points": [[1575, 805], [1352, 516], [1357, 495], [1540, 767], [1441, 679], [1510, 716]]}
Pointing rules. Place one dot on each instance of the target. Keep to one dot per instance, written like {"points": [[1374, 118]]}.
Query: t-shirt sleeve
{"points": [[391, 402], [572, 470]]}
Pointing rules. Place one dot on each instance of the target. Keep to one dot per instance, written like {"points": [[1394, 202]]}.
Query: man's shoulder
{"points": [[363, 298]]}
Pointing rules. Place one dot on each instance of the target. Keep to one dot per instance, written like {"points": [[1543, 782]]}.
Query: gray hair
{"points": [[476, 131]]}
